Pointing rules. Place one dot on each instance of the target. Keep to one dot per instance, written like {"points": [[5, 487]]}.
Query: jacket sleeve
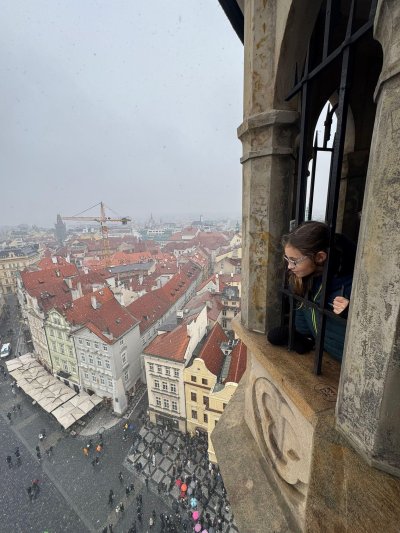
{"points": [[301, 322]]}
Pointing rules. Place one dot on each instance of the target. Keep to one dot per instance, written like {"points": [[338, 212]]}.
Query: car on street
{"points": [[5, 350]]}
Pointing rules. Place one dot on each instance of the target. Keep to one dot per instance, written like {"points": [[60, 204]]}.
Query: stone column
{"points": [[267, 135], [368, 408]]}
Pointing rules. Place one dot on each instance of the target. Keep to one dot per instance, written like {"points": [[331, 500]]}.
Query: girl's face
{"points": [[298, 263]]}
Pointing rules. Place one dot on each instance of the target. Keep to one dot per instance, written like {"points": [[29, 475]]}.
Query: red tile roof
{"points": [[238, 363], [153, 305], [109, 320], [213, 302], [211, 352], [172, 345]]}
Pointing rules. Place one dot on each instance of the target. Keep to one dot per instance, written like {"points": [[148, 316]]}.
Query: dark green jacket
{"points": [[307, 319]]}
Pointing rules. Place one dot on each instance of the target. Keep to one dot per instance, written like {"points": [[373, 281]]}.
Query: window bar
{"points": [[327, 30], [312, 181]]}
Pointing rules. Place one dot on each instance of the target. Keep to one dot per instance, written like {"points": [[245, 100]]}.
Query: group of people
{"points": [[191, 468]]}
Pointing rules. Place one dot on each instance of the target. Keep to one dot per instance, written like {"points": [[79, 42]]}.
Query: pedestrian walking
{"points": [[14, 408], [151, 522], [19, 408], [132, 487], [110, 528], [9, 461], [127, 491], [111, 497], [147, 483], [30, 493], [35, 487], [39, 455], [85, 451], [9, 417], [120, 477]]}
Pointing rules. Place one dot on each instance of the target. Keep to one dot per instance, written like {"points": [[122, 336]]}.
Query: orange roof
{"points": [[211, 352], [172, 345], [238, 363], [153, 305], [109, 318]]}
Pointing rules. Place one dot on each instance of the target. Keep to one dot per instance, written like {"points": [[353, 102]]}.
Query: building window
{"points": [[176, 373], [90, 359], [99, 363], [62, 348], [193, 396], [96, 345], [59, 334], [123, 357], [86, 375], [102, 380], [164, 385], [204, 381], [173, 388], [205, 418], [223, 405], [159, 369], [105, 348], [194, 414], [174, 405], [80, 341], [156, 384], [110, 383], [158, 401], [121, 341], [87, 343], [166, 403], [206, 401], [167, 371], [65, 365], [51, 333], [73, 369], [193, 378], [54, 346], [94, 378], [70, 350], [151, 367], [224, 323], [126, 375], [107, 364], [224, 312]]}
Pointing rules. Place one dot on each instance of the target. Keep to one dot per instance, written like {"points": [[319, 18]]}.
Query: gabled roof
{"points": [[211, 352], [171, 345], [153, 305], [238, 363], [109, 320]]}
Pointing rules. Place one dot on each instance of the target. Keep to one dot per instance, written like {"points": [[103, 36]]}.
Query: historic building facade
{"points": [[314, 433]]}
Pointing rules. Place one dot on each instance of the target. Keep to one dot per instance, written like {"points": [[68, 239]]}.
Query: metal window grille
{"points": [[339, 42]]}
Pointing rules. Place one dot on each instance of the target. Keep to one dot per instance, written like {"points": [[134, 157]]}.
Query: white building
{"points": [[165, 359]]}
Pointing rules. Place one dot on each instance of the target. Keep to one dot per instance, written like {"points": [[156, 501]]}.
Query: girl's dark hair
{"points": [[312, 237], [309, 238]]}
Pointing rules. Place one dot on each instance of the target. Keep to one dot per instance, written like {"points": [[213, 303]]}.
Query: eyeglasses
{"points": [[295, 262]]}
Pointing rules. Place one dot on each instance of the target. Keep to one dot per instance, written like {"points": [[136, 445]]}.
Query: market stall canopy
{"points": [[50, 393]]}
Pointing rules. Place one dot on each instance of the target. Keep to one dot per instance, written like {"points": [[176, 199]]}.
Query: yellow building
{"points": [[12, 261], [223, 392], [200, 377]]}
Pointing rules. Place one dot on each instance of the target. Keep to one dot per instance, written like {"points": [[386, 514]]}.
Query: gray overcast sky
{"points": [[133, 103]]}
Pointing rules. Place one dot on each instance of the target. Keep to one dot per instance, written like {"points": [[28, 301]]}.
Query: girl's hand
{"points": [[340, 304]]}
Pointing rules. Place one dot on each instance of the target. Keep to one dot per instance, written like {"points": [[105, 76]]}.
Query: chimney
{"points": [[217, 282], [54, 260], [94, 301]]}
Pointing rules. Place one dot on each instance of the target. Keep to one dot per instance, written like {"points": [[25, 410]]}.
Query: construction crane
{"points": [[102, 219]]}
